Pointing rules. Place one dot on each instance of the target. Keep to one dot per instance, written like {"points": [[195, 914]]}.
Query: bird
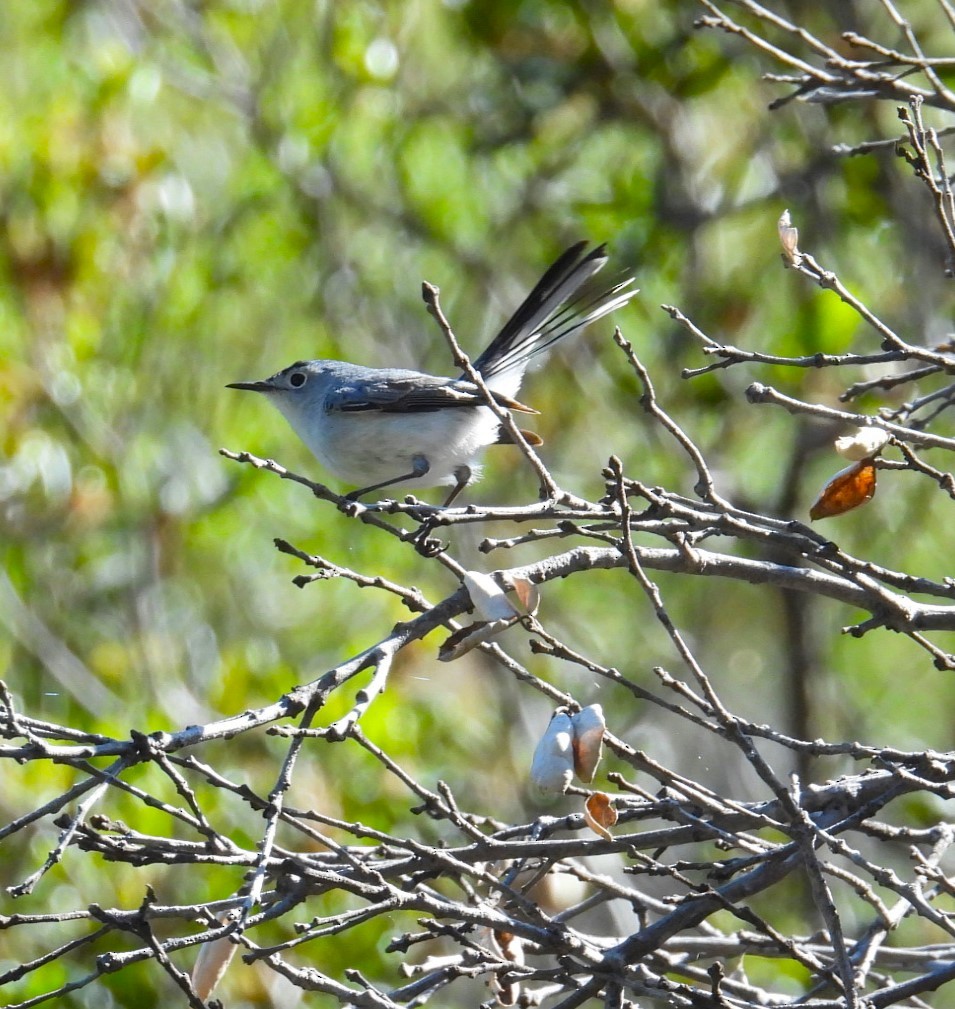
{"points": [[382, 427]]}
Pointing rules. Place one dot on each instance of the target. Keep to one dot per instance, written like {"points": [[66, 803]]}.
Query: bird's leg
{"points": [[421, 467], [462, 474], [422, 537]]}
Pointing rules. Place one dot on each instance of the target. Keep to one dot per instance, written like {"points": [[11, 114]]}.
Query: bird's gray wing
{"points": [[393, 391]]}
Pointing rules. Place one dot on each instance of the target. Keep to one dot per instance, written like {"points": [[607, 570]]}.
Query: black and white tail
{"points": [[565, 299]]}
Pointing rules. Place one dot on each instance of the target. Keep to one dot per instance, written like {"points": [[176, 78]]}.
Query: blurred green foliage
{"points": [[197, 194]]}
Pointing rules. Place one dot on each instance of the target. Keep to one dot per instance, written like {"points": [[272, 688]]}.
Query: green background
{"points": [[191, 196]]}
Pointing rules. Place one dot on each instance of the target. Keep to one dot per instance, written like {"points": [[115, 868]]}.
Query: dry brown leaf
{"points": [[600, 814], [848, 489], [512, 949], [589, 726], [528, 594]]}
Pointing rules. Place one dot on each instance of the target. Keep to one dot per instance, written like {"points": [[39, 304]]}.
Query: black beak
{"points": [[250, 386]]}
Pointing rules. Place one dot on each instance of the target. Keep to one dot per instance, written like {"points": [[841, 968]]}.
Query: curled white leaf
{"points": [[213, 959], [788, 238], [489, 599], [552, 767], [463, 640], [865, 443], [556, 892]]}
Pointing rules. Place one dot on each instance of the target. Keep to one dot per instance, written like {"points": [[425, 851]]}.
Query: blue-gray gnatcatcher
{"points": [[375, 427]]}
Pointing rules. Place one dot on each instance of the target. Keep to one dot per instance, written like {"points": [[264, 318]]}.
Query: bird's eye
{"points": [[297, 379]]}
